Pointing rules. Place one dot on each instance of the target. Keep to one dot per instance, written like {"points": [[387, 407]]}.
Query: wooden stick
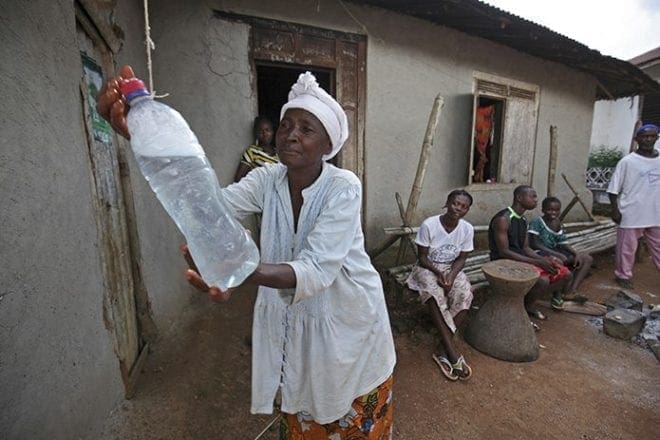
{"points": [[402, 243], [638, 123], [416, 190], [604, 89], [383, 247], [401, 230], [552, 165], [591, 217], [568, 207], [402, 212], [271, 423]]}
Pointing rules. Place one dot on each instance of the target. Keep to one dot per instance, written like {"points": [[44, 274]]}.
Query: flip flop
{"points": [[446, 367], [535, 313], [557, 303], [463, 367]]}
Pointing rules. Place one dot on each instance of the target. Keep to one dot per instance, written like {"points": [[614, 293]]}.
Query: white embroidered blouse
{"points": [[329, 340]]}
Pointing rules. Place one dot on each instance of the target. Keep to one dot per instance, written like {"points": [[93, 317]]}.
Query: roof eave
{"points": [[615, 78]]}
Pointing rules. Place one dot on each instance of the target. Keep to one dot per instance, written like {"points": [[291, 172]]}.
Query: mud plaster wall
{"points": [[409, 61], [59, 376], [161, 263], [407, 68]]}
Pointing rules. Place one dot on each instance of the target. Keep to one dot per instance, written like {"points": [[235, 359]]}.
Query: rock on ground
{"points": [[623, 323]]}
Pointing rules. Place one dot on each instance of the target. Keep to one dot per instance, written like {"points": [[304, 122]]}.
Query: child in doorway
{"points": [[444, 243], [547, 236], [262, 152]]}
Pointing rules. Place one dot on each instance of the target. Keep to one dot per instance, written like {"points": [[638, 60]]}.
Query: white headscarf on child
{"points": [[306, 94]]}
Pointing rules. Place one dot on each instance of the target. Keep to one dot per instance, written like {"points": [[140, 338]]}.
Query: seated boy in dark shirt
{"points": [[507, 238]]}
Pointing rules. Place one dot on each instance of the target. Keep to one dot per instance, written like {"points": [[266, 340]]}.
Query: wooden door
{"points": [[345, 54], [116, 254]]}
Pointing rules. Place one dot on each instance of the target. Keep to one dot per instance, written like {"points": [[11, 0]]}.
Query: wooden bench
{"points": [[597, 238]]}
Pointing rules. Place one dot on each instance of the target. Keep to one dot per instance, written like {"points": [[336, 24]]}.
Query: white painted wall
{"points": [[614, 122]]}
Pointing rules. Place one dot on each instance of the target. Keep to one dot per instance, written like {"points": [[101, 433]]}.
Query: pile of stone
{"points": [[628, 319]]}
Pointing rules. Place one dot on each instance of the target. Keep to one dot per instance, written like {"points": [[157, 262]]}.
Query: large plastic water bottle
{"points": [[174, 164]]}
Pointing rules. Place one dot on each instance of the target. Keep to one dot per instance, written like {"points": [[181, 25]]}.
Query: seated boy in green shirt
{"points": [[547, 236]]}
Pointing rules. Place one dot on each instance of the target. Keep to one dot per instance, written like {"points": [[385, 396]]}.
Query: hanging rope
{"points": [[149, 44]]}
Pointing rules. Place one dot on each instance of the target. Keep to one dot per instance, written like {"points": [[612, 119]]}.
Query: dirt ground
{"points": [[585, 385]]}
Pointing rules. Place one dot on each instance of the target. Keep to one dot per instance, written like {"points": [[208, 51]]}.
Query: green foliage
{"points": [[605, 157]]}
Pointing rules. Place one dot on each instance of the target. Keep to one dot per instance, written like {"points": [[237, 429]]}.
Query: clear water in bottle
{"points": [[176, 167]]}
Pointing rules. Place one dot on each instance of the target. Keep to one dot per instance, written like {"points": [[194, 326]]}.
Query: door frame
{"points": [[89, 18], [303, 45]]}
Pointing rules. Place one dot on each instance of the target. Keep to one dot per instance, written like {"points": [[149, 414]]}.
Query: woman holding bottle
{"points": [[321, 332]]}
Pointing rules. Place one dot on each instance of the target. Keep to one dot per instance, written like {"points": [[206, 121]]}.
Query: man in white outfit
{"points": [[634, 192]]}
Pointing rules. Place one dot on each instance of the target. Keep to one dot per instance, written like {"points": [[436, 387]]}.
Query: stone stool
{"points": [[501, 328]]}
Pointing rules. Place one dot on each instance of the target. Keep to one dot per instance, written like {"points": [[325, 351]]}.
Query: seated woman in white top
{"points": [[444, 243], [321, 332]]}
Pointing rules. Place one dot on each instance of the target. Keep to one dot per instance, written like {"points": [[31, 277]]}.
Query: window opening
{"points": [[488, 126], [503, 131]]}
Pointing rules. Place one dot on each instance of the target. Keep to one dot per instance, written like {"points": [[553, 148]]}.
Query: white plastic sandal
{"points": [[463, 367], [446, 367]]}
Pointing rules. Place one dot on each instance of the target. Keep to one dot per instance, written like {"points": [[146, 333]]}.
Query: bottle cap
{"points": [[132, 88]]}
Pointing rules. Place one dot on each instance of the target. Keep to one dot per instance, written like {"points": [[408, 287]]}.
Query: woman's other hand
{"points": [[195, 280], [217, 295], [110, 103]]}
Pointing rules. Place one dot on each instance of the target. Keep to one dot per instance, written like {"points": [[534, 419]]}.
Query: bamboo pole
{"points": [[416, 190], [408, 237], [404, 239], [552, 161], [401, 230], [409, 230], [594, 239], [600, 227], [399, 204]]}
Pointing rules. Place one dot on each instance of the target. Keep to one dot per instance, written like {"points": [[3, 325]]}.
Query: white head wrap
{"points": [[306, 94]]}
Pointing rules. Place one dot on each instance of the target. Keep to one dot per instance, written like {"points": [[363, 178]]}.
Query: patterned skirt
{"points": [[370, 418], [450, 304]]}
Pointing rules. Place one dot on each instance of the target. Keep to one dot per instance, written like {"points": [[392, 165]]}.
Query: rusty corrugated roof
{"points": [[617, 78]]}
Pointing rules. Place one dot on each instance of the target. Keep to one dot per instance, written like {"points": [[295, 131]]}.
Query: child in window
{"points": [[546, 235], [444, 243]]}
